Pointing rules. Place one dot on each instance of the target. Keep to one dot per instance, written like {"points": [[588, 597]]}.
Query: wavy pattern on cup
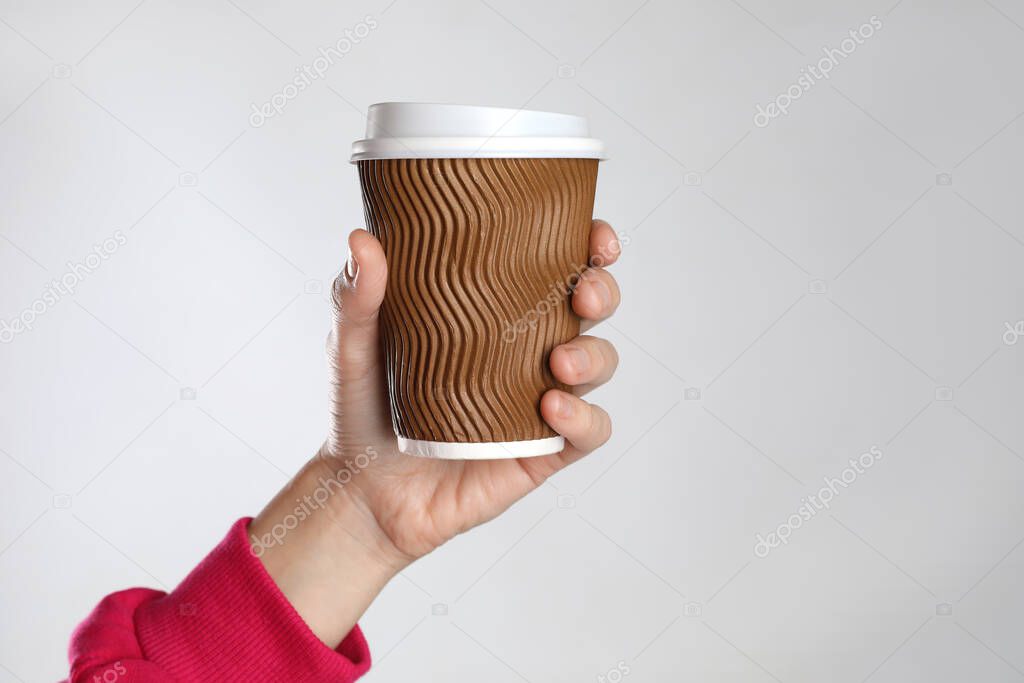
{"points": [[472, 245]]}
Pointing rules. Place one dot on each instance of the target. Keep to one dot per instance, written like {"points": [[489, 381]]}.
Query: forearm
{"points": [[324, 550], [228, 620]]}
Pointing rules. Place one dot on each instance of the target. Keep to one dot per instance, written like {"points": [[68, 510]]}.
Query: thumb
{"points": [[358, 292]]}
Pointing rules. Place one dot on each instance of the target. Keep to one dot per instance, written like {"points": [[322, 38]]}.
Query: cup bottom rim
{"points": [[486, 450]]}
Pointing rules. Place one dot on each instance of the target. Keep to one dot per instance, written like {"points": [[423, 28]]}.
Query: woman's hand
{"points": [[381, 509]]}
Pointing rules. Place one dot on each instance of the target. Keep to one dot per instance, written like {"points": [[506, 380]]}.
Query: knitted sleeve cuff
{"points": [[228, 621]]}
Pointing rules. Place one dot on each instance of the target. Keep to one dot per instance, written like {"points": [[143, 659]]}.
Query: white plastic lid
{"points": [[418, 130]]}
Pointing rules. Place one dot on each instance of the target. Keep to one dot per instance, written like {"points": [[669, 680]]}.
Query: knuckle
{"points": [[610, 355], [337, 293], [604, 243], [613, 285], [600, 425], [604, 353]]}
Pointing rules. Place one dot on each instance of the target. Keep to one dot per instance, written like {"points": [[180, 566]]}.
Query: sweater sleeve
{"points": [[227, 621]]}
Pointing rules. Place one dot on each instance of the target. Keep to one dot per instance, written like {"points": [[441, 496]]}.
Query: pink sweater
{"points": [[227, 621]]}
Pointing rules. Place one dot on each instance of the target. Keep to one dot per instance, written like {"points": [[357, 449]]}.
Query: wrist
{"points": [[324, 550], [356, 476]]}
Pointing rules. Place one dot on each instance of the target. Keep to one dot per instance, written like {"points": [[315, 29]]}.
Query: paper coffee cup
{"points": [[484, 215]]}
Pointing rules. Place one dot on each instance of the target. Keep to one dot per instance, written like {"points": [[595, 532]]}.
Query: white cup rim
{"points": [[417, 130]]}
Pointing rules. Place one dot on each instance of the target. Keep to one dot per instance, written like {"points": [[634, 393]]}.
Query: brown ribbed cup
{"points": [[482, 254]]}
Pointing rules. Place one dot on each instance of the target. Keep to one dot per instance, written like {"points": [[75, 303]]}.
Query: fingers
{"points": [[584, 425], [604, 244], [595, 297], [584, 363], [358, 293]]}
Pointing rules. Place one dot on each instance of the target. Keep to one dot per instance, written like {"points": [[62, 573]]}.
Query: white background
{"points": [[836, 280]]}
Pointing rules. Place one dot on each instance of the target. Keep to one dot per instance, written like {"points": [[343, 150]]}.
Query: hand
{"points": [[419, 503], [390, 508]]}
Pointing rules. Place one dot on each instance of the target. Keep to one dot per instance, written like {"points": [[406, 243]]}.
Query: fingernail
{"points": [[603, 293], [563, 408], [351, 267], [578, 358]]}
